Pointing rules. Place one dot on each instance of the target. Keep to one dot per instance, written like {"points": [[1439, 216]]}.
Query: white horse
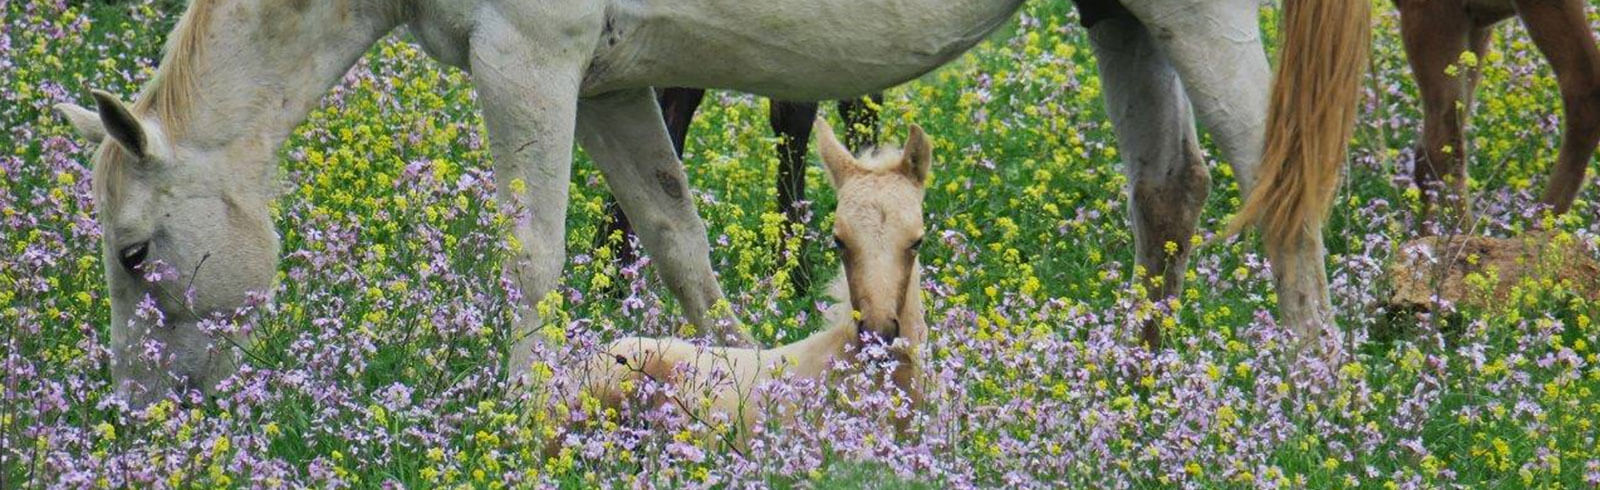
{"points": [[187, 170], [877, 228]]}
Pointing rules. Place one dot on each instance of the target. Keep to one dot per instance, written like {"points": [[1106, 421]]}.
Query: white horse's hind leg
{"points": [[529, 91], [1168, 179], [1216, 47], [624, 134]]}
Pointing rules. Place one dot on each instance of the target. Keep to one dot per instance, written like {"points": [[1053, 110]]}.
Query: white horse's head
{"points": [[185, 239], [183, 177], [878, 225]]}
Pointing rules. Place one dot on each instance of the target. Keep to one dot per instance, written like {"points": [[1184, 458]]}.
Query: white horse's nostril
{"points": [[133, 255]]}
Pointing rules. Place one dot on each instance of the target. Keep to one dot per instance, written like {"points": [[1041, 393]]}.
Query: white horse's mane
{"points": [[171, 92]]}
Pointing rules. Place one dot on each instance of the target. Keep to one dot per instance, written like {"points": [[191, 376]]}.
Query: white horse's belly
{"points": [[444, 30], [800, 50], [817, 49]]}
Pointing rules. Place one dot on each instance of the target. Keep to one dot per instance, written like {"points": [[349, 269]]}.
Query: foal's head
{"points": [[878, 225]]}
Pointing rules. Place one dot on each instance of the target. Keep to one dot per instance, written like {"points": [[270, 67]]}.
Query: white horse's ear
{"points": [[835, 157], [84, 121], [120, 124], [917, 159]]}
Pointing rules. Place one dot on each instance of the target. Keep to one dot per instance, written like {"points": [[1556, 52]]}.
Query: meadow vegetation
{"points": [[380, 360]]}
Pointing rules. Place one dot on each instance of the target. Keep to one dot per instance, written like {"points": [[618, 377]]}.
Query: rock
{"points": [[1460, 268]]}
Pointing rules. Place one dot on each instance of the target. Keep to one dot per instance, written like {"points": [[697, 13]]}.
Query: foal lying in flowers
{"points": [[877, 228]]}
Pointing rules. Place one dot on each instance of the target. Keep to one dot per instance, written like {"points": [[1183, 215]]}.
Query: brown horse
{"points": [[1437, 32], [792, 122]]}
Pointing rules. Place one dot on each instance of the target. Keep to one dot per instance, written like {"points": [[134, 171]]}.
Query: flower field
{"points": [[380, 361]]}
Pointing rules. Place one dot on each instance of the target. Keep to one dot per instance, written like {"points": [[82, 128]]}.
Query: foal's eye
{"points": [[839, 243]]}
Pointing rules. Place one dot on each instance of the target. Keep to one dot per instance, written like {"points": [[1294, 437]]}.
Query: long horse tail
{"points": [[1310, 118]]}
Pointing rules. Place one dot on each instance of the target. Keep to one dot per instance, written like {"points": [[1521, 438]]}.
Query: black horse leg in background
{"points": [[858, 115], [678, 106], [792, 122]]}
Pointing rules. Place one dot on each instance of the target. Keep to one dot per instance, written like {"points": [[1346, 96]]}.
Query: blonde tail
{"points": [[1310, 119]]}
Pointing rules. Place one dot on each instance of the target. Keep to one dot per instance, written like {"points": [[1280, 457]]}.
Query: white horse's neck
{"points": [[259, 66], [812, 354], [239, 75]]}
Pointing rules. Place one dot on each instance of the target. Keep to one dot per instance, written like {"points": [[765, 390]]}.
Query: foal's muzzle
{"points": [[885, 332]]}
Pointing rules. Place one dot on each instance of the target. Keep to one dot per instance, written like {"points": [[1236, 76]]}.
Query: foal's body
{"points": [[731, 377], [1437, 32]]}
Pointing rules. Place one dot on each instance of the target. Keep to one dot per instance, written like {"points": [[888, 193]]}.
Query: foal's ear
{"points": [[835, 157], [84, 121], [917, 159], [119, 123]]}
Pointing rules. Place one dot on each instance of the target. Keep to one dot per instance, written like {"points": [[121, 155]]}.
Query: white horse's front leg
{"points": [[529, 89], [625, 135]]}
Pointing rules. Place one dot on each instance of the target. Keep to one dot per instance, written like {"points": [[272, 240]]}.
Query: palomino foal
{"points": [[878, 228]]}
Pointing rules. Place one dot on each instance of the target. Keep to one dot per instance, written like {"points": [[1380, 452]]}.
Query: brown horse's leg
{"points": [[1168, 179], [861, 122], [1436, 33], [1479, 41], [678, 106], [792, 121], [1562, 33]]}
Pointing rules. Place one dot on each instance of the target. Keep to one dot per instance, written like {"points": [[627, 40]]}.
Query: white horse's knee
{"points": [[675, 239], [1174, 197]]}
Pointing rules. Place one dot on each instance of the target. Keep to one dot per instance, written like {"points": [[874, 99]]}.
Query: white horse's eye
{"points": [[133, 255], [916, 244]]}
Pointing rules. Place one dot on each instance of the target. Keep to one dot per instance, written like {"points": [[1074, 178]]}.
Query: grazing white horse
{"points": [[186, 174], [878, 229]]}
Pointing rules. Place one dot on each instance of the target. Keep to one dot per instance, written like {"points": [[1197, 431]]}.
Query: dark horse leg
{"points": [[792, 121], [861, 121], [1561, 32], [678, 106], [1435, 34]]}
